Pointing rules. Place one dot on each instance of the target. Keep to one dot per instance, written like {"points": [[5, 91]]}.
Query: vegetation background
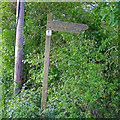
{"points": [[84, 68]]}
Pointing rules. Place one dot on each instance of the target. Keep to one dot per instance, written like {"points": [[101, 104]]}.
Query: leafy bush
{"points": [[84, 68]]}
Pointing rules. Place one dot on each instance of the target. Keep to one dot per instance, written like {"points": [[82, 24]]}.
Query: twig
{"points": [[110, 49]]}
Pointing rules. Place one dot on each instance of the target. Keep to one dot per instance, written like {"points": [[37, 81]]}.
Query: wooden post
{"points": [[56, 26], [19, 48], [46, 62]]}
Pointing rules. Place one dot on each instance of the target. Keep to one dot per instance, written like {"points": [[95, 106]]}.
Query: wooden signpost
{"points": [[56, 26], [68, 27]]}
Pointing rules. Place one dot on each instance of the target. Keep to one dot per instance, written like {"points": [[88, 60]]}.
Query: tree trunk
{"points": [[19, 48]]}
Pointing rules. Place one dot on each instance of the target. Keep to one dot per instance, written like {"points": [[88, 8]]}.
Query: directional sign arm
{"points": [[68, 27]]}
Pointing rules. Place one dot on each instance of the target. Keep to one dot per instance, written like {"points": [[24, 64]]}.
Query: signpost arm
{"points": [[46, 63]]}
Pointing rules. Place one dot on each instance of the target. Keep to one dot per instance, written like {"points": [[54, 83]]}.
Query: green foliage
{"points": [[26, 104], [84, 68], [83, 91]]}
